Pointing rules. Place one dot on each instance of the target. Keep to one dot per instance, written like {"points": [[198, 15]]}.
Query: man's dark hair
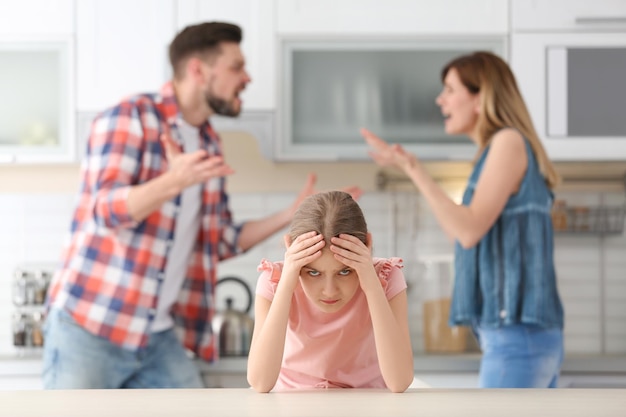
{"points": [[201, 39]]}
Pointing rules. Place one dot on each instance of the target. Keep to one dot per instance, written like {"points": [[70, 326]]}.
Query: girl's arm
{"points": [[268, 341], [393, 342], [389, 317], [271, 317], [501, 176]]}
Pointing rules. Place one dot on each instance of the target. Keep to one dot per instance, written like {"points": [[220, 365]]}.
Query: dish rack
{"points": [[599, 220]]}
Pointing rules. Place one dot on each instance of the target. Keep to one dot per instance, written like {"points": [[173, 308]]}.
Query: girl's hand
{"points": [[353, 253], [302, 251], [385, 154]]}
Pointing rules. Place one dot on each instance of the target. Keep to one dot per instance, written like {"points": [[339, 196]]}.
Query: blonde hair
{"points": [[329, 214], [502, 104]]}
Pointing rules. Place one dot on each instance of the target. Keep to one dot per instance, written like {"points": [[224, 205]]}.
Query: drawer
{"points": [[568, 15]]}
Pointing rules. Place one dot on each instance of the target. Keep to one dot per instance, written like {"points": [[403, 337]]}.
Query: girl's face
{"points": [[328, 283], [459, 106]]}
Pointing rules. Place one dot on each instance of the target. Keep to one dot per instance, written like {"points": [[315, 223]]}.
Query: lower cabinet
{"points": [[225, 380]]}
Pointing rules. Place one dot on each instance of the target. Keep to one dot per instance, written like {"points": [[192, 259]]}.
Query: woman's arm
{"points": [[271, 317], [501, 176]]}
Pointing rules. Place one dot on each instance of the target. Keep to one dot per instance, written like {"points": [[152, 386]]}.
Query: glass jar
{"points": [[36, 330], [41, 282], [438, 280], [20, 329], [20, 287]]}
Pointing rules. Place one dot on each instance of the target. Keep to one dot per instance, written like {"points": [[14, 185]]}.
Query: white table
{"points": [[332, 402]]}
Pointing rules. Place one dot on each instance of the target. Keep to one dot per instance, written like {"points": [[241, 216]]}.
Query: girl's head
{"points": [[329, 214], [480, 96], [326, 282]]}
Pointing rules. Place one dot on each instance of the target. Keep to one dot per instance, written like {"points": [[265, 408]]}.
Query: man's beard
{"points": [[221, 106]]}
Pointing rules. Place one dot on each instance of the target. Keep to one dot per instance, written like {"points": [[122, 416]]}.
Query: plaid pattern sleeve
{"points": [[112, 267]]}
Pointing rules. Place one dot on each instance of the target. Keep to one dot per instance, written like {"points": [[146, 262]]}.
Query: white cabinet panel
{"points": [[256, 18], [551, 92], [37, 17], [529, 15], [121, 49], [37, 115], [392, 16]]}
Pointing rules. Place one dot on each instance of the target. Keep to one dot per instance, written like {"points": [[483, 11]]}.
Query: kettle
{"points": [[233, 328]]}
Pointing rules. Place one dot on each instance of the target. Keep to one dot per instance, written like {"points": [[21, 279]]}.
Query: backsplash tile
{"points": [[590, 269]]}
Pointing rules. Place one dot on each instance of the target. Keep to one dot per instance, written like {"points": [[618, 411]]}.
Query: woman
{"points": [[505, 283]]}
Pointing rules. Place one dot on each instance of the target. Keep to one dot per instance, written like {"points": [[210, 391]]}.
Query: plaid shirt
{"points": [[113, 267]]}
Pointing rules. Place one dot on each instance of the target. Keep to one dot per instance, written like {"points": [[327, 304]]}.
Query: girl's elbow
{"points": [[400, 386], [262, 387]]}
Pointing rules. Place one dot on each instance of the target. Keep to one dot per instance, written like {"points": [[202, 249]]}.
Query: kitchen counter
{"points": [[334, 402]]}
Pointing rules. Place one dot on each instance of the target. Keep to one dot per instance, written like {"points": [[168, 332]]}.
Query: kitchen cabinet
{"points": [[36, 17], [121, 49], [569, 58], [37, 122], [402, 17], [568, 15], [256, 18]]}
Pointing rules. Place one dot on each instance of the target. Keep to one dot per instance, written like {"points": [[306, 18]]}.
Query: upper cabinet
{"points": [[37, 81], [569, 58], [568, 15], [402, 17], [121, 49], [36, 17], [256, 18]]}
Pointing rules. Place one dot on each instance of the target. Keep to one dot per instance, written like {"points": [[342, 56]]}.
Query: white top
{"points": [[185, 232]]}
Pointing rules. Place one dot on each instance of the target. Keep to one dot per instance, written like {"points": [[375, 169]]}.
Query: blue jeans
{"points": [[520, 356], [75, 358]]}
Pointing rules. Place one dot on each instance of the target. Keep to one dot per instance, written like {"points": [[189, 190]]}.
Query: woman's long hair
{"points": [[502, 104]]}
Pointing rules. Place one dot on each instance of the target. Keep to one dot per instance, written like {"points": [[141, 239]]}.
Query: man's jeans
{"points": [[520, 356], [75, 358]]}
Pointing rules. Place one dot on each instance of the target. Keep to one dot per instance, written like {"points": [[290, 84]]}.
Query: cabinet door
{"points": [[37, 17], [400, 17], [568, 15], [256, 18], [121, 49]]}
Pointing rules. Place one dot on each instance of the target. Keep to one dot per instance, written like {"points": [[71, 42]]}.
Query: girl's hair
{"points": [[330, 214], [502, 104]]}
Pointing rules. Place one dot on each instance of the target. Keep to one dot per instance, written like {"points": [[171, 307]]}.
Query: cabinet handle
{"points": [[600, 20]]}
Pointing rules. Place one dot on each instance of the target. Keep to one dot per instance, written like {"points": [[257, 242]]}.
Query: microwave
{"points": [[574, 85], [330, 87]]}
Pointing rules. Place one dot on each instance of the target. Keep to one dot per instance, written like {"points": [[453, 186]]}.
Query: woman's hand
{"points": [[385, 154], [353, 253], [302, 251]]}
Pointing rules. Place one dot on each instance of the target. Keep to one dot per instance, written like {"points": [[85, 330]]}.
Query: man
{"points": [[151, 224]]}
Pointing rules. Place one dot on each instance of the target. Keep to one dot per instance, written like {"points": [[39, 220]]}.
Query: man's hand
{"points": [[192, 168]]}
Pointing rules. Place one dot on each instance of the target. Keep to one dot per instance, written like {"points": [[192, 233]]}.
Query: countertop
{"points": [[327, 403]]}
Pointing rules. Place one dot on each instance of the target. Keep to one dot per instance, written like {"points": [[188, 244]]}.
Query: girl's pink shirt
{"points": [[330, 350]]}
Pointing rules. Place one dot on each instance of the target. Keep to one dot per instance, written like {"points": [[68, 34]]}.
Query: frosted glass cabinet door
{"points": [[332, 89], [36, 110]]}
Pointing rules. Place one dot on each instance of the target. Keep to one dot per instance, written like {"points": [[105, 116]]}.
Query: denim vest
{"points": [[509, 277]]}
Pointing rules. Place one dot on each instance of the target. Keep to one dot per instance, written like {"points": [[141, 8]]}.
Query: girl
{"points": [[505, 283], [330, 316]]}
